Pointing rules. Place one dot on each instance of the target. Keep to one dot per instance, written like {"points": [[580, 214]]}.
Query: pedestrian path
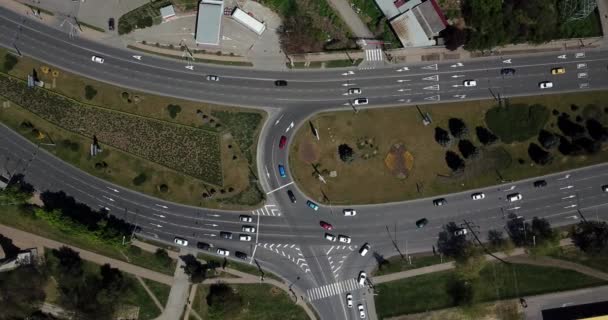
{"points": [[268, 210], [333, 289], [374, 55]]}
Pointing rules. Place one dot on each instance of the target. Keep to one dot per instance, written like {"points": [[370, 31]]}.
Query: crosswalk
{"points": [[374, 55], [267, 210], [333, 289]]}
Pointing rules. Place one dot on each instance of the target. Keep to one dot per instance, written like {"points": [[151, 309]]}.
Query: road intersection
{"points": [[288, 240]]}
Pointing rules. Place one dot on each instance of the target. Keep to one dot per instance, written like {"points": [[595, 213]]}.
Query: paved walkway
{"points": [[24, 239], [558, 263], [178, 296]]}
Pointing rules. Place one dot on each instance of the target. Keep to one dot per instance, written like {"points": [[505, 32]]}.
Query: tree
{"points": [[461, 291], [162, 256], [89, 92], [485, 18], [547, 139], [174, 109], [21, 292], [224, 301], [596, 130], [454, 37], [451, 245], [568, 148], [467, 149], [568, 127], [10, 61], [496, 239], [485, 136], [541, 230], [346, 153], [140, 179], [70, 262], [518, 229], [194, 268], [112, 287], [538, 155], [591, 237], [458, 128], [590, 146], [442, 137], [454, 161]]}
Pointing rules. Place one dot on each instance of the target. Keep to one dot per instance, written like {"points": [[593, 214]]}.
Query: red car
{"points": [[326, 225], [282, 142]]}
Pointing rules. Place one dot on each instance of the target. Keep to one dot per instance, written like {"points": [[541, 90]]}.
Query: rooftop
{"points": [[167, 12], [209, 22]]}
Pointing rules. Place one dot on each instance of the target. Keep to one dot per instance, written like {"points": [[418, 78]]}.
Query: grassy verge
{"points": [[497, 282], [243, 267], [396, 264], [177, 55], [160, 290], [257, 302], [571, 253], [382, 138], [342, 63], [144, 16], [11, 216]]}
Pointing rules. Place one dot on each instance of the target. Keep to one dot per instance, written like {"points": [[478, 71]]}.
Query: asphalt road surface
{"points": [[288, 239]]}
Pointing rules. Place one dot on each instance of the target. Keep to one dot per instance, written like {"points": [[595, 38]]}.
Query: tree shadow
{"points": [[10, 250]]}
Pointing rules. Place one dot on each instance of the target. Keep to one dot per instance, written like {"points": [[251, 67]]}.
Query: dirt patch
{"points": [[309, 153], [274, 291], [399, 161]]}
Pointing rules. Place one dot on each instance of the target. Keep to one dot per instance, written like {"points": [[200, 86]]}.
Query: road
{"points": [[288, 239]]}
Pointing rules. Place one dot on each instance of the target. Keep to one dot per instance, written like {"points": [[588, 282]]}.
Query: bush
{"points": [[458, 128], [10, 61], [89, 92], [568, 148], [547, 139], [538, 155], [173, 109], [134, 250], [70, 145], [442, 137], [485, 136], [346, 153], [454, 161], [590, 146], [516, 122], [569, 128], [162, 256], [163, 188], [596, 130], [467, 149], [140, 179]]}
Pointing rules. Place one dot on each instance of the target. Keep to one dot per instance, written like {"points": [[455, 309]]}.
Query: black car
{"points": [[111, 24], [540, 183], [440, 202], [280, 83], [292, 197], [240, 255], [226, 234], [203, 245], [421, 223], [507, 71]]}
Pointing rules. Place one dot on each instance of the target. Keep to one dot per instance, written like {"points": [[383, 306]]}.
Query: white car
{"points": [[605, 188], [478, 196], [362, 278], [361, 311], [249, 229], [223, 252], [244, 218], [354, 91], [344, 239], [360, 101], [460, 232], [330, 237], [180, 241], [470, 83], [349, 212], [545, 85], [244, 237], [213, 78], [364, 249], [97, 59], [349, 300], [514, 197]]}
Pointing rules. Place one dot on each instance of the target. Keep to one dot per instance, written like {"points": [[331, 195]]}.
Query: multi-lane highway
{"points": [[288, 238]]}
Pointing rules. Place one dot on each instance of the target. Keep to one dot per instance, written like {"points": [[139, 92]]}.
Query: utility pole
{"points": [[469, 227]]}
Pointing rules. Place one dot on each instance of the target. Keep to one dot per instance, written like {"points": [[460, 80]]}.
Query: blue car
{"points": [[282, 171], [312, 205]]}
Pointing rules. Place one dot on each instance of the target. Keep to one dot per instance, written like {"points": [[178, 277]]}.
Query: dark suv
{"points": [[540, 183], [439, 202], [292, 197], [226, 234], [280, 83], [111, 24], [507, 71], [240, 255], [203, 246]]}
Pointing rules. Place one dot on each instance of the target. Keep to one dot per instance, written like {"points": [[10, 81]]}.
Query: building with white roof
{"points": [[248, 21], [209, 22]]}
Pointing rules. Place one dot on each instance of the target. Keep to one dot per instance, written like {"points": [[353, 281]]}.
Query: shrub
{"points": [[467, 149], [163, 188], [568, 148], [442, 137], [346, 153], [454, 161], [134, 250], [485, 136], [140, 179], [547, 139], [569, 128], [458, 128], [538, 155], [89, 92], [596, 130], [173, 109], [590, 146], [10, 61]]}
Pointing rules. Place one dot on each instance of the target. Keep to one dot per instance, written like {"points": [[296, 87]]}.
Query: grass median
{"points": [[396, 264]]}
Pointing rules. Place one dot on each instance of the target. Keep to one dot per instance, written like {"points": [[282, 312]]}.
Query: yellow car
{"points": [[558, 70]]}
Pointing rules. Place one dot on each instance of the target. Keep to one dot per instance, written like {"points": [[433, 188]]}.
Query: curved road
{"points": [[288, 236]]}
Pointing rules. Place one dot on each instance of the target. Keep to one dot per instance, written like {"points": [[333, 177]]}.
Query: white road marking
{"points": [[563, 56], [137, 57], [569, 197], [156, 225], [566, 187], [109, 198], [289, 127], [159, 215], [160, 205], [460, 96], [403, 80], [459, 64], [431, 67], [279, 188], [579, 55], [257, 233], [570, 206], [115, 190], [348, 73], [190, 67], [403, 69], [432, 78], [506, 61], [279, 119], [458, 76], [434, 87], [267, 172]]}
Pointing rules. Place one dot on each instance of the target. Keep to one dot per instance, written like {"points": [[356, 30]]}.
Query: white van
{"points": [[514, 197]]}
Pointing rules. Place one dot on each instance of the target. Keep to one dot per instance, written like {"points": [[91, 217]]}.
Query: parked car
{"points": [[507, 71], [280, 83], [240, 255], [545, 84], [291, 196], [223, 252], [213, 78], [364, 249], [343, 239], [97, 59], [312, 205], [244, 237], [354, 91], [460, 232], [180, 241], [360, 101], [560, 70], [478, 196], [422, 223], [245, 218], [349, 212], [514, 197], [249, 229], [470, 83], [330, 237], [326, 225], [111, 24], [349, 300], [540, 183], [203, 245], [361, 311], [226, 235], [439, 202], [362, 278], [282, 171], [282, 142]]}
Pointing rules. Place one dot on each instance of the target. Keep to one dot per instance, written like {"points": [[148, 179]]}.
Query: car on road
{"points": [[364, 249], [478, 196], [180, 241], [97, 59], [280, 83], [330, 237], [440, 202], [460, 232], [111, 24], [344, 239], [360, 101], [349, 212], [422, 223], [362, 278], [282, 171], [349, 300], [282, 142], [507, 71], [223, 252], [560, 70], [361, 311], [312, 205], [245, 218], [244, 237], [291, 196], [203, 245], [212, 77], [469, 83], [540, 183], [514, 197], [326, 225], [605, 188], [545, 84], [354, 91], [240, 255], [226, 235], [249, 229]]}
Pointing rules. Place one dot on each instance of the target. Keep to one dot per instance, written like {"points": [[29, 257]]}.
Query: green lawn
{"points": [[571, 253], [497, 282], [259, 302], [12, 216], [160, 290], [396, 264], [243, 267]]}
